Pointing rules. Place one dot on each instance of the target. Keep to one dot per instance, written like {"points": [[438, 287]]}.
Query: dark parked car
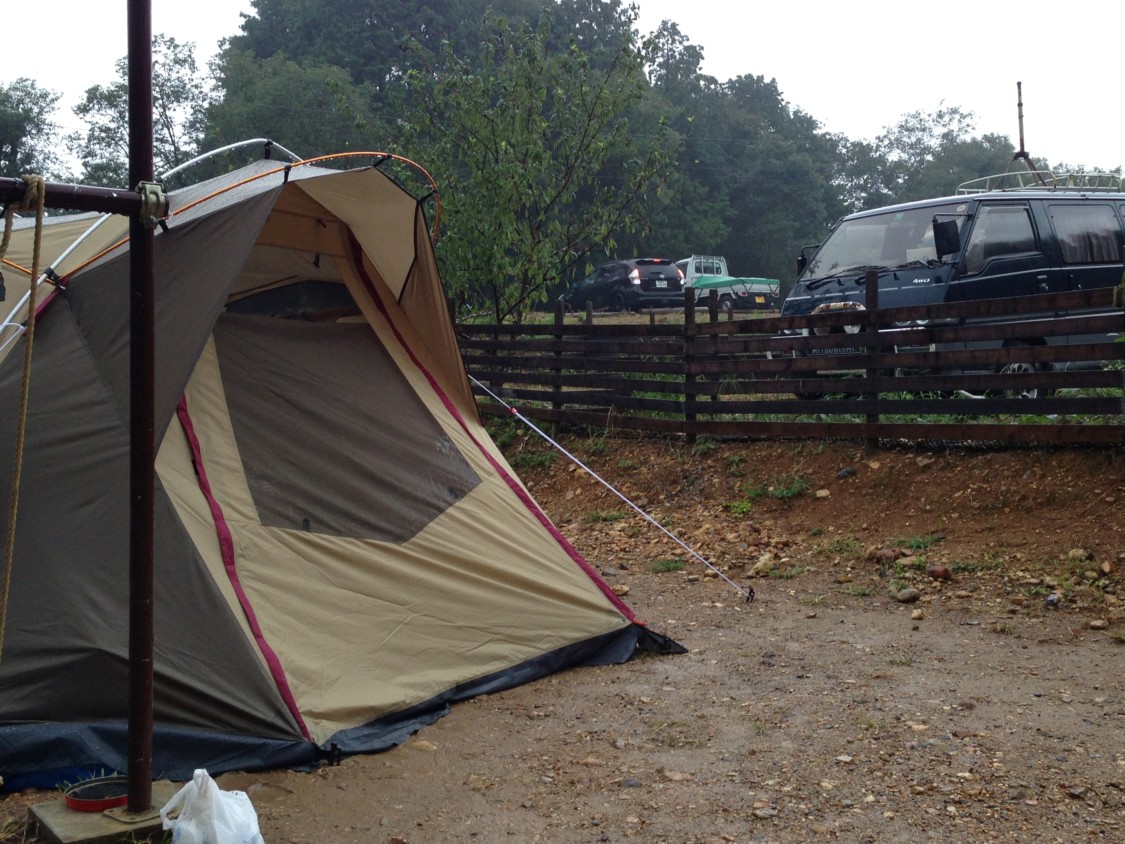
{"points": [[629, 285]]}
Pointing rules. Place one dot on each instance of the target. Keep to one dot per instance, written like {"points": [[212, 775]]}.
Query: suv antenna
{"points": [[1023, 153]]}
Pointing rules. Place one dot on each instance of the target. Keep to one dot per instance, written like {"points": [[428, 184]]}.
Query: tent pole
{"points": [[75, 197], [142, 451]]}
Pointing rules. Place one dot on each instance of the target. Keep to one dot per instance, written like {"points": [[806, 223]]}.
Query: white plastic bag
{"points": [[209, 815]]}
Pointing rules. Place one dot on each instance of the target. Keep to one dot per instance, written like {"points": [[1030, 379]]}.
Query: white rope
{"points": [[746, 593]]}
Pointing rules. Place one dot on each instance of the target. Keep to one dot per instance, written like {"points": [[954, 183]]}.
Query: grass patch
{"points": [[915, 565], [662, 566], [785, 574], [918, 543], [781, 488], [988, 563], [596, 447], [739, 508], [602, 516], [13, 830], [868, 722], [857, 591], [848, 544], [702, 448], [533, 459], [503, 430]]}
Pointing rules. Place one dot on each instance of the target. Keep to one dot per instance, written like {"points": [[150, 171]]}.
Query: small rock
{"points": [[823, 493], [883, 555], [1097, 624], [908, 595], [631, 782], [768, 812], [923, 462], [846, 472], [939, 573], [620, 589], [917, 615]]}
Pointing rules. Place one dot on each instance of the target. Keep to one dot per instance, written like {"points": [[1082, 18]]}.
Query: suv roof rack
{"points": [[1044, 180]]}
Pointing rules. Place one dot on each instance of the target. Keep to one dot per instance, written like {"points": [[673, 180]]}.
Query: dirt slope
{"points": [[986, 705]]}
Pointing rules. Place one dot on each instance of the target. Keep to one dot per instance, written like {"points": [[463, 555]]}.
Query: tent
{"points": [[341, 551]]}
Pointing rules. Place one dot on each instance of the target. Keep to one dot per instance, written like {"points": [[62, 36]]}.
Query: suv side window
{"points": [[1088, 234], [999, 230]]}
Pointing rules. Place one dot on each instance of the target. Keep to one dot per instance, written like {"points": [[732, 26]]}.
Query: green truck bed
{"points": [[738, 293]]}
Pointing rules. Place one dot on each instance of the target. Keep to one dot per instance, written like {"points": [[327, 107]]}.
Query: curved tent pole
{"points": [[269, 145]]}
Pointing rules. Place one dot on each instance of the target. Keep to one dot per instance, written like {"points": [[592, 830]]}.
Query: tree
{"points": [[27, 133], [180, 96], [537, 164], [365, 37], [925, 154], [311, 110]]}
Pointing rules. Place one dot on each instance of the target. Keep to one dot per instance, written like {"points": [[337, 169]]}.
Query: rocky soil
{"points": [[934, 653]]}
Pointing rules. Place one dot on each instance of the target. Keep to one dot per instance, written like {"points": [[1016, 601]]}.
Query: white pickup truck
{"points": [[704, 273]]}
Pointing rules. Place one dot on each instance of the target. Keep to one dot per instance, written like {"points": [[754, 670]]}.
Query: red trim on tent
{"points": [[226, 544], [516, 487]]}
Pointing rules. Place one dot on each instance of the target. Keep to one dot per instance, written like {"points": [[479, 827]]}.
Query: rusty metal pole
{"points": [[142, 379]]}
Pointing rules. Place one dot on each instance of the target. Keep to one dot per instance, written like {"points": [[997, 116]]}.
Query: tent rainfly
{"points": [[341, 551]]}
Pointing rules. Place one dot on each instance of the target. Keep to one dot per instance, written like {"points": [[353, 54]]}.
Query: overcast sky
{"points": [[856, 67]]}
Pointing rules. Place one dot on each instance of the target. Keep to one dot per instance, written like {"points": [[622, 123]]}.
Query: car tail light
{"points": [[635, 276]]}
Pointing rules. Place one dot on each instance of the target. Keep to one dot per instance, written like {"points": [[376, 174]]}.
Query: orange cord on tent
{"points": [[35, 197], [281, 169]]}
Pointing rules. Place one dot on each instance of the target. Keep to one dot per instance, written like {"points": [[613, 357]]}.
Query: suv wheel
{"points": [[617, 304], [1021, 368]]}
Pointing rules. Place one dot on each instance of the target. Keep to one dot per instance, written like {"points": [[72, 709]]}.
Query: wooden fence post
{"points": [[689, 377], [556, 370], [871, 302]]}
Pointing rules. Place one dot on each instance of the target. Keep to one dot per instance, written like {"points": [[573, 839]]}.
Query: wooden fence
{"points": [[1033, 369]]}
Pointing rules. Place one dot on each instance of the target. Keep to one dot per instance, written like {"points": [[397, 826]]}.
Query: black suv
{"points": [[992, 240], [629, 285]]}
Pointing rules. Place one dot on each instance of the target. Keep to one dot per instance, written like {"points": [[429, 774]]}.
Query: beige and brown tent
{"points": [[341, 551]]}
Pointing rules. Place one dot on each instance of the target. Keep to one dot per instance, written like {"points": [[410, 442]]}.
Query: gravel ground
{"points": [[934, 653]]}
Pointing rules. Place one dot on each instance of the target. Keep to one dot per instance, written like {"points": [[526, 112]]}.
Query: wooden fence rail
{"points": [[1032, 369]]}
